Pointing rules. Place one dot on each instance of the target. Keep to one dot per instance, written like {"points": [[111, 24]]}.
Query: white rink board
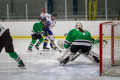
{"points": [[24, 28]]}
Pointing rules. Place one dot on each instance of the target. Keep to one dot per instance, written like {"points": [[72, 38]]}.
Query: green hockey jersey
{"points": [[38, 28], [76, 37], [2, 30]]}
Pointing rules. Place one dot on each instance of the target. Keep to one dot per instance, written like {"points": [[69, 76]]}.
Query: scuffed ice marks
{"points": [[72, 70]]}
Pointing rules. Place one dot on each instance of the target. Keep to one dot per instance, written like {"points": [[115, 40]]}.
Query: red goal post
{"points": [[109, 54]]}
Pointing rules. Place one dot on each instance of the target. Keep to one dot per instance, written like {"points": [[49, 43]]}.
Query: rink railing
{"points": [[65, 13]]}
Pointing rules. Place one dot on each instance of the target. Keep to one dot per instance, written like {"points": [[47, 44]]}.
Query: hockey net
{"points": [[109, 52]]}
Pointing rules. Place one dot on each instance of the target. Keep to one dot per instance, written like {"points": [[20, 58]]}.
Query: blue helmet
{"points": [[48, 23]]}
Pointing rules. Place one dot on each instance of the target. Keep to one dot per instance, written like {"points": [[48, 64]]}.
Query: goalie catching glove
{"points": [[60, 44]]}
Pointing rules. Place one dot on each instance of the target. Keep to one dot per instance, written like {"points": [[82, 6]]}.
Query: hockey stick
{"points": [[99, 37], [65, 34], [75, 57], [52, 42], [103, 40]]}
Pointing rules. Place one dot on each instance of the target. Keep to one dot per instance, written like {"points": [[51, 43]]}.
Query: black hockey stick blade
{"points": [[56, 47], [76, 56], [105, 41], [65, 34], [53, 43]]}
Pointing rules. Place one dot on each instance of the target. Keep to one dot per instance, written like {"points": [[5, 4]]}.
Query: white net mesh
{"points": [[111, 50]]}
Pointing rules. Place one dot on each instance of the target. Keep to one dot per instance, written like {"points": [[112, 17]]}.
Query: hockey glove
{"points": [[45, 34], [95, 41]]}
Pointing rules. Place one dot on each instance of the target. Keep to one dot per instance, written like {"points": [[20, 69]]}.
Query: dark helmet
{"points": [[54, 14], [43, 19]]}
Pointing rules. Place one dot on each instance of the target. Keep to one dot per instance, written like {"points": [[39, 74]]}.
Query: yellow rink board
{"points": [[43, 37]]}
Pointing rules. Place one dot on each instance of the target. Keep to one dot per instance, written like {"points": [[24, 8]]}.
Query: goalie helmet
{"points": [[78, 25]]}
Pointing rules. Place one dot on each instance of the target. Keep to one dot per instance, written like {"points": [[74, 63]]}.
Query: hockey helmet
{"points": [[43, 10], [54, 14], [43, 19], [78, 25]]}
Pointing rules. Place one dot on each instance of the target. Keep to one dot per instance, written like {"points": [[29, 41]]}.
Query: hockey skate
{"points": [[22, 65], [29, 50], [36, 47], [63, 61], [96, 59], [45, 48]]}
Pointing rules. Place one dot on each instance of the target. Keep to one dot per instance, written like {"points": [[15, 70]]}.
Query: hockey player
{"points": [[78, 40], [36, 34], [51, 19], [92, 56], [7, 42], [43, 12]]}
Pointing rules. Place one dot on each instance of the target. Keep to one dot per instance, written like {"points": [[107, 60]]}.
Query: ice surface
{"points": [[46, 67]]}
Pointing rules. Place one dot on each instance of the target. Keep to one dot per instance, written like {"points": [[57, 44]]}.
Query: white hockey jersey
{"points": [[48, 18], [42, 14], [2, 30]]}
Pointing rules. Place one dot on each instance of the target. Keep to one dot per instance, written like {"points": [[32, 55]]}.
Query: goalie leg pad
{"points": [[68, 57], [92, 56], [64, 54]]}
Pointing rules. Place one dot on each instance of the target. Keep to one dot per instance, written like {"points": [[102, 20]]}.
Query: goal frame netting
{"points": [[101, 45]]}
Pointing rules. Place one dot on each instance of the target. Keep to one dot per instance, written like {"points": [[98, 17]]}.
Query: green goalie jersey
{"points": [[38, 28], [76, 37]]}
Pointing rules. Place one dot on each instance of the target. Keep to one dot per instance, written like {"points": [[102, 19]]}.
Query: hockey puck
{"points": [[40, 53]]}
